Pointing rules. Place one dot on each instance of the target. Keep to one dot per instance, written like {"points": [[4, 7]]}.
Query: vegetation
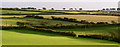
{"points": [[56, 12], [17, 12], [34, 21], [33, 27], [90, 18], [29, 37]]}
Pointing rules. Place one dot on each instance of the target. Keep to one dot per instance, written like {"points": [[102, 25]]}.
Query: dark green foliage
{"points": [[84, 22], [22, 24], [64, 19], [35, 16], [102, 22]]}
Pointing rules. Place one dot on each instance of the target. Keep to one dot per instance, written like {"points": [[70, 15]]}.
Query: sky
{"points": [[59, 0]]}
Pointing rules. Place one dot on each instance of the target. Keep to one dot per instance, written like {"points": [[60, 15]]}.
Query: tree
{"points": [[75, 8], [107, 9], [44, 8], [71, 9], [118, 8], [112, 9], [52, 8], [103, 9], [64, 8], [80, 8], [113, 22]]}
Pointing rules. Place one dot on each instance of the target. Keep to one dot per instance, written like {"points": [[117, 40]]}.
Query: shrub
{"points": [[115, 36], [102, 22], [91, 23], [84, 22]]}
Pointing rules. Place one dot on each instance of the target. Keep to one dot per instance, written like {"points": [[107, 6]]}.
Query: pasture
{"points": [[12, 22], [17, 12], [31, 37], [7, 16], [105, 30]]}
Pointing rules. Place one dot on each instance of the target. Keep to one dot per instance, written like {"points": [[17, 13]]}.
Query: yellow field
{"points": [[12, 15], [91, 18]]}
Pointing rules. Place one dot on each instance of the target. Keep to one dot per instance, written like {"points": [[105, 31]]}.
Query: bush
{"points": [[116, 36], [102, 22], [91, 23], [84, 22]]}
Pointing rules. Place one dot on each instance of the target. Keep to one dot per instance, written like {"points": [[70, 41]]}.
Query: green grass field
{"points": [[7, 16], [10, 22], [18, 12], [44, 11], [30, 37], [92, 30]]}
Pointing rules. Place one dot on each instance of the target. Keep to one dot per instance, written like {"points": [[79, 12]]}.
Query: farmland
{"points": [[93, 18], [17, 12], [13, 18], [93, 30], [29, 37], [12, 22]]}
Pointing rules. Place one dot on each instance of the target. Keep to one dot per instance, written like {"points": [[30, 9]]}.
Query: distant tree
{"points": [[80, 8], [52, 8], [118, 8], [84, 22], [44, 8], [75, 8], [53, 17], [71, 9], [66, 19], [107, 9], [112, 9], [102, 22], [103, 9], [113, 22], [91, 23], [64, 8]]}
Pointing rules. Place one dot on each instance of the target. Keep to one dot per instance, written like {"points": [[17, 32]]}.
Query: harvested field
{"points": [[91, 18]]}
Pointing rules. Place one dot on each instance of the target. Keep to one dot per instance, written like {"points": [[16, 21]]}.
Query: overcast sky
{"points": [[59, 0]]}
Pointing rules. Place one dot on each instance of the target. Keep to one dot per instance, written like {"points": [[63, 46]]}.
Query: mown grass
{"points": [[31, 37]]}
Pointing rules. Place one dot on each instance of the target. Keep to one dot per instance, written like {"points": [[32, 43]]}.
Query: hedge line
{"points": [[112, 37], [103, 37]]}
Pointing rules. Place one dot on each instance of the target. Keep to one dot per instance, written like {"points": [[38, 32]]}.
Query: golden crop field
{"points": [[90, 18], [12, 16]]}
